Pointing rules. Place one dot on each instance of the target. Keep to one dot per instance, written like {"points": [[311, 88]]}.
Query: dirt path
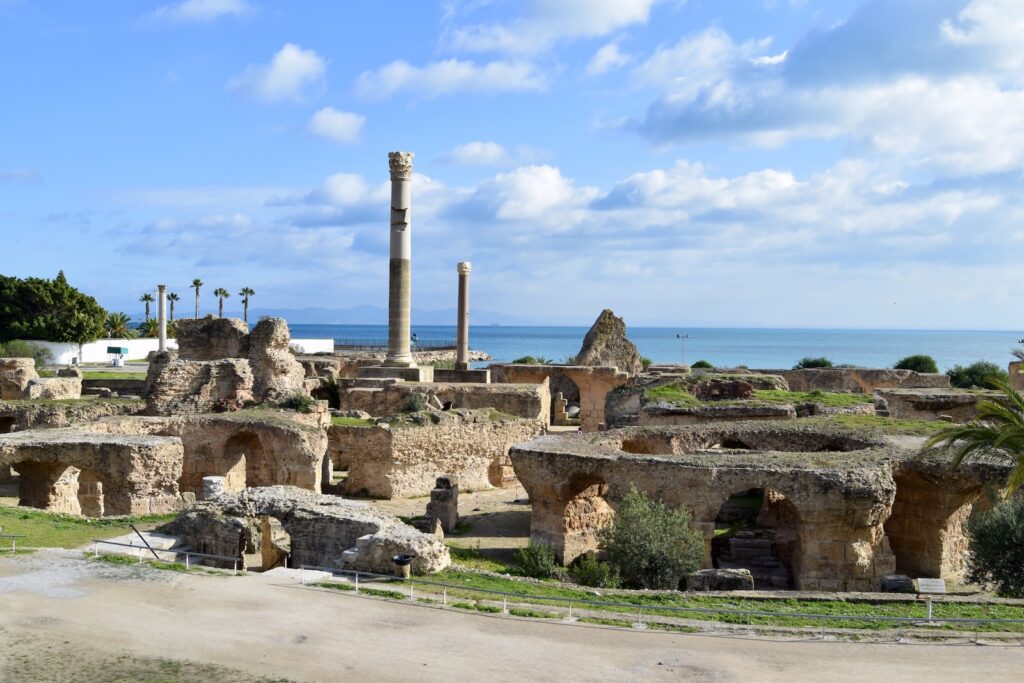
{"points": [[69, 619]]}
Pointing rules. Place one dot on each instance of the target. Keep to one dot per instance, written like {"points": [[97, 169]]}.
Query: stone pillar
{"points": [[161, 315], [444, 502], [400, 278], [462, 338]]}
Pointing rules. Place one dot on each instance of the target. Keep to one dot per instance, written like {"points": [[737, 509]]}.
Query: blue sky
{"points": [[752, 163]]}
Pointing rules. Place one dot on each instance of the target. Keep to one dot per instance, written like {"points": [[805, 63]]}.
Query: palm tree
{"points": [[196, 284], [147, 299], [173, 298], [995, 435], [245, 294], [221, 294], [150, 328], [116, 326]]}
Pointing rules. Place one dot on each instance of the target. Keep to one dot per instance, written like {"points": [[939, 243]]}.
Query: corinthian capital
{"points": [[464, 267], [401, 165]]}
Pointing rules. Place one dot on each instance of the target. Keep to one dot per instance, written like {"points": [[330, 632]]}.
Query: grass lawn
{"points": [[353, 421], [678, 394], [47, 530], [106, 374]]}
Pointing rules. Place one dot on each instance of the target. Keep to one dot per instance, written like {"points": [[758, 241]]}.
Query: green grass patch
{"points": [[677, 394], [476, 607], [879, 423], [380, 593], [532, 613], [49, 530], [353, 421], [621, 623], [475, 559], [335, 586], [833, 400], [100, 374]]}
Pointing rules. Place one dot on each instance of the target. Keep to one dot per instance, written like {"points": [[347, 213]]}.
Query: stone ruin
{"points": [[606, 345], [278, 525], [20, 381], [839, 509], [444, 502], [220, 365]]}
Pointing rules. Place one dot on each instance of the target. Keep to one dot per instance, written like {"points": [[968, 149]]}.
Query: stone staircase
{"points": [[747, 550]]}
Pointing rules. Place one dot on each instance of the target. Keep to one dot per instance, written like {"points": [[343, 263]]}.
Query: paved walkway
{"points": [[59, 615]]}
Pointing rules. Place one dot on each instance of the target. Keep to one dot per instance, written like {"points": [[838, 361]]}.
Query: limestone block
{"points": [[182, 386], [15, 376], [211, 338], [606, 345], [212, 487], [276, 373], [54, 388], [720, 580], [444, 502]]}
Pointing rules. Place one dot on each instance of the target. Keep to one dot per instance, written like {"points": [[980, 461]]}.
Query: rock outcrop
{"points": [[20, 381], [15, 375], [180, 386], [606, 345], [318, 530], [276, 373], [211, 338]]}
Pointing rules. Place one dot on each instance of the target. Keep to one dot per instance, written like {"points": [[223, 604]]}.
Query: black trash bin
{"points": [[403, 565]]}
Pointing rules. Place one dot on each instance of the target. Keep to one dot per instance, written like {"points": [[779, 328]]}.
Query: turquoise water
{"points": [[755, 348]]}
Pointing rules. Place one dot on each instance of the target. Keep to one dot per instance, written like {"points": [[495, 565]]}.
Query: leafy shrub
{"points": [[535, 360], [997, 548], [414, 403], [982, 374], [536, 560], [809, 362], [444, 364], [703, 364], [300, 402], [650, 544], [19, 349], [918, 363], [587, 570], [570, 360], [645, 361]]}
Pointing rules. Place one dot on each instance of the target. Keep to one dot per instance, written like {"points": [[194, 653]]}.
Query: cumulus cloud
{"points": [[449, 76], [477, 154], [292, 74], [340, 126], [544, 23], [201, 11], [607, 58]]}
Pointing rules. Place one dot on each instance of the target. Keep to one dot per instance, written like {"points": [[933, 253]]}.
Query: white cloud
{"points": [[697, 61], [545, 23], [449, 76], [201, 11], [996, 24], [477, 154], [292, 74], [340, 126], [607, 58]]}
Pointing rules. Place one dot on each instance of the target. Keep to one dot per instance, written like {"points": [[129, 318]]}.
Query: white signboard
{"points": [[931, 586]]}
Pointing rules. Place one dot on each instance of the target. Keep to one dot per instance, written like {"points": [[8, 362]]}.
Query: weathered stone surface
{"points": [[933, 404], [444, 502], [213, 487], [72, 371], [324, 531], [277, 375], [211, 338], [723, 390], [593, 384], [54, 389], [897, 583], [22, 415], [858, 380], [181, 386], [15, 375], [606, 345], [720, 580], [406, 457], [861, 506]]}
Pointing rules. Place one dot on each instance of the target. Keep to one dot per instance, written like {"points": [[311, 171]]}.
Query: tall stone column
{"points": [[400, 279], [161, 315], [462, 337]]}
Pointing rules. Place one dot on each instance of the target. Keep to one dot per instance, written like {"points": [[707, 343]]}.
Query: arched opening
{"points": [[585, 513], [265, 544], [47, 486], [241, 463], [7, 425], [759, 530], [565, 401]]}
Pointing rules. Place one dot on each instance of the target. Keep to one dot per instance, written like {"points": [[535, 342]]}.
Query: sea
{"points": [[722, 347]]}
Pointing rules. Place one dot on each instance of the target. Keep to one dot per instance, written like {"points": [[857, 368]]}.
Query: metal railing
{"points": [[187, 553], [382, 344], [14, 540], [609, 606]]}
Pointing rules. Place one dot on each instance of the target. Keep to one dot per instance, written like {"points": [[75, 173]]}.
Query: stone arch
{"points": [[245, 450], [565, 395], [585, 511], [58, 487], [759, 529]]}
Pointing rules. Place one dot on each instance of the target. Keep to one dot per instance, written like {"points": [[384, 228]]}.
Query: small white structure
{"points": [[138, 349]]}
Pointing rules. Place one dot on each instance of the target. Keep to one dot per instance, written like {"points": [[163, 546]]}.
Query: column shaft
{"points": [[400, 266], [161, 314]]}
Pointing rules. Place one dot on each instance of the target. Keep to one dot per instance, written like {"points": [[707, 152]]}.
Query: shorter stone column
{"points": [[161, 315], [213, 487], [462, 338], [444, 502]]}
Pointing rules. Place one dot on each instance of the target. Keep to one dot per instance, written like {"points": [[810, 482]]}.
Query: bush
{"points": [[917, 363], [535, 360], [414, 403], [19, 349], [645, 362], [997, 548], [536, 560], [48, 310], [300, 402], [980, 374], [650, 544], [808, 362], [703, 364], [587, 570]]}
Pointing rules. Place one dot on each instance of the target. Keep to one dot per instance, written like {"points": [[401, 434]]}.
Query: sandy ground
{"points": [[63, 618]]}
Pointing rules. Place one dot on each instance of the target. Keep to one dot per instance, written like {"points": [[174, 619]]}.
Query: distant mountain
{"points": [[372, 315]]}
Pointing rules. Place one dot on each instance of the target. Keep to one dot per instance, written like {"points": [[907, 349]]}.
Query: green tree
{"points": [[118, 326], [918, 363], [245, 294], [48, 310], [809, 362], [703, 364], [995, 435], [982, 374], [996, 545], [173, 298], [19, 349], [650, 544], [197, 284], [221, 294], [147, 299]]}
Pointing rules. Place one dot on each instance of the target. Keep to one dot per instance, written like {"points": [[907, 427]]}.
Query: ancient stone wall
{"points": [[318, 530], [531, 401], [210, 338], [182, 386], [22, 415], [594, 384], [406, 459], [858, 380], [932, 404]]}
